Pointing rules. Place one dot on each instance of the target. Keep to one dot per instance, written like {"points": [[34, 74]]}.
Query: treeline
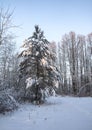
{"points": [[8, 57], [8, 62], [75, 63]]}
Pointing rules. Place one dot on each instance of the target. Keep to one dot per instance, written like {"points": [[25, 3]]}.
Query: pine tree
{"points": [[36, 66]]}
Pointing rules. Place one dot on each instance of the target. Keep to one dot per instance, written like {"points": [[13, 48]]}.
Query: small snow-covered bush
{"points": [[7, 102], [85, 90]]}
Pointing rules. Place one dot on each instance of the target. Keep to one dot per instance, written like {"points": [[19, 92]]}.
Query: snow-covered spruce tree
{"points": [[36, 68]]}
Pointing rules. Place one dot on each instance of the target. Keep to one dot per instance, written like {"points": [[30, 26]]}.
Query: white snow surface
{"points": [[58, 113]]}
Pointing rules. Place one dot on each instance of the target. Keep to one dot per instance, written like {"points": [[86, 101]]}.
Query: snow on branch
{"points": [[30, 82]]}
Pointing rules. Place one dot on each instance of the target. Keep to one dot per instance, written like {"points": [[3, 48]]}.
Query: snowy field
{"points": [[59, 113]]}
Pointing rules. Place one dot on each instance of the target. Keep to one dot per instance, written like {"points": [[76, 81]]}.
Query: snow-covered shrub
{"points": [[85, 90], [7, 102]]}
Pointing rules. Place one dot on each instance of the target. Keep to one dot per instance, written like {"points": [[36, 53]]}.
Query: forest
{"points": [[42, 68]]}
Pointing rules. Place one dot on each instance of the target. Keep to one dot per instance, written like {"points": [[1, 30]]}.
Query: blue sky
{"points": [[55, 17]]}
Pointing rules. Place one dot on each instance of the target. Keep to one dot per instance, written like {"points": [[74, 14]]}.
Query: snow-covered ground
{"points": [[59, 113]]}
